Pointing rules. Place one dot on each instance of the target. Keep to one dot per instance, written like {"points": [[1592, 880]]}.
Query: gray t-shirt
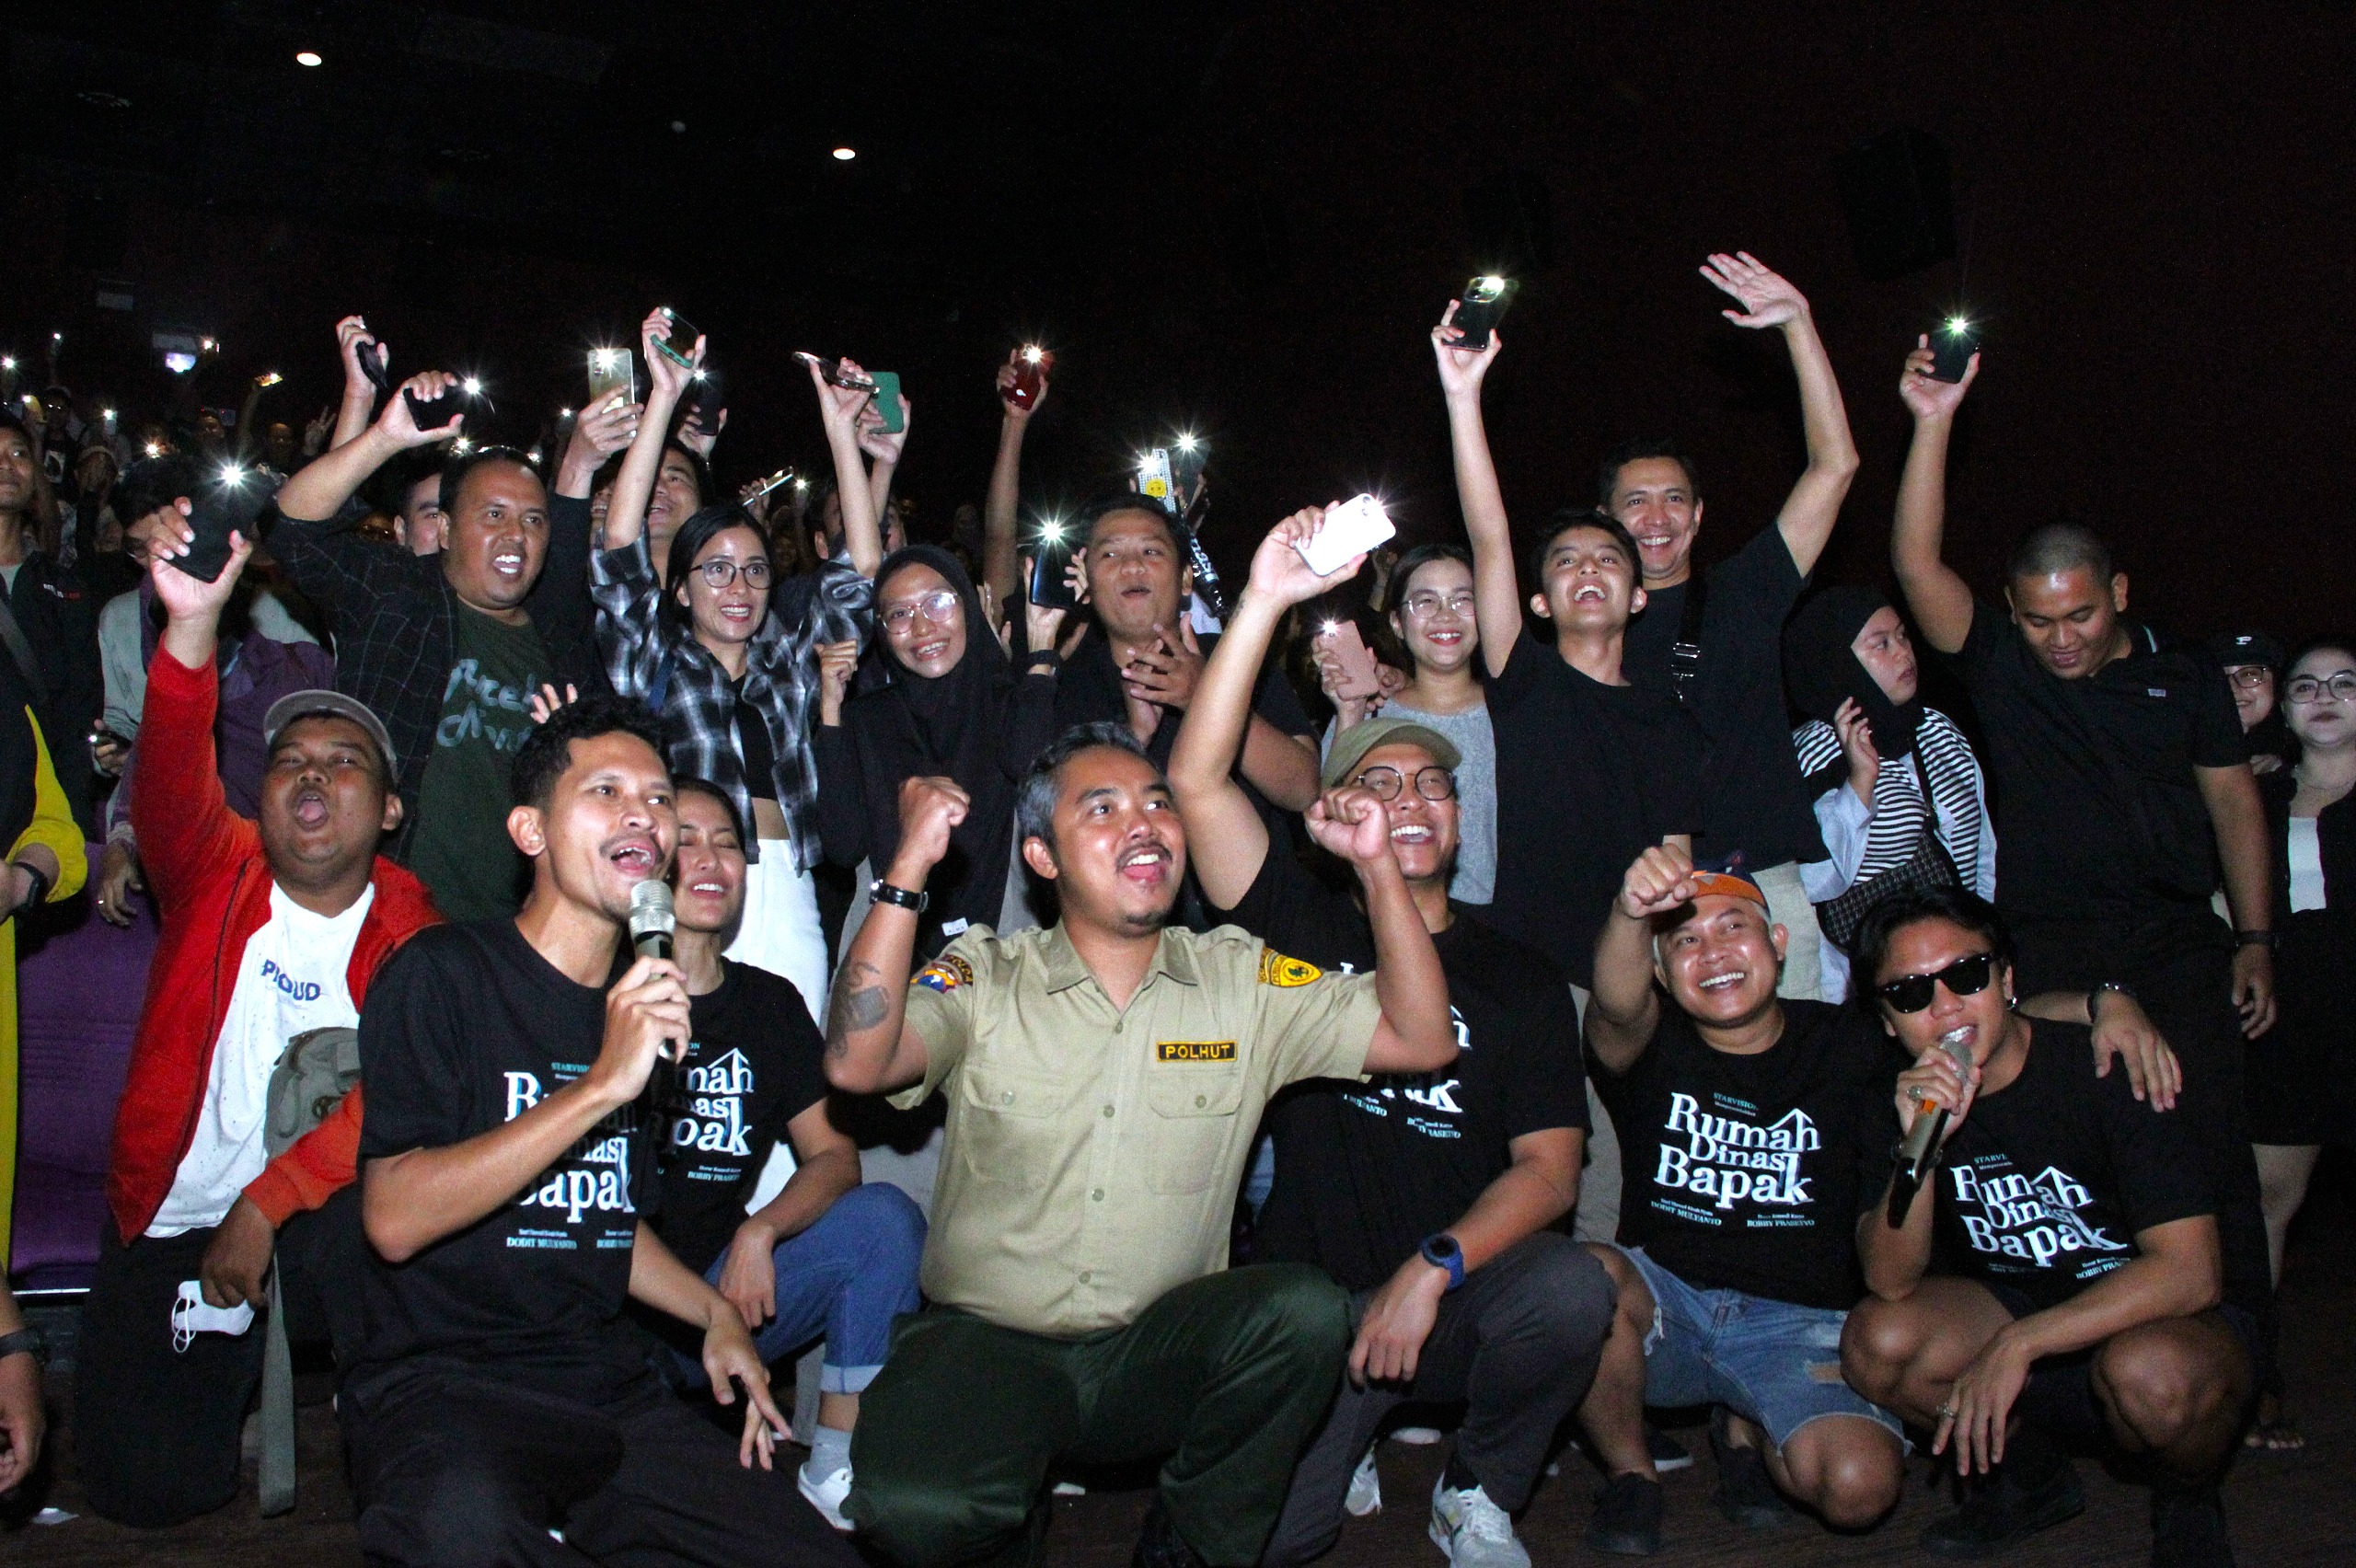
{"points": [[1475, 878]]}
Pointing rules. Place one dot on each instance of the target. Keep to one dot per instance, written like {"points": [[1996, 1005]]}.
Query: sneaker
{"points": [[827, 1493], [2188, 1530], [1365, 1489], [1746, 1493], [1416, 1437], [1474, 1532], [1161, 1546], [1999, 1512], [1627, 1517], [1667, 1453]]}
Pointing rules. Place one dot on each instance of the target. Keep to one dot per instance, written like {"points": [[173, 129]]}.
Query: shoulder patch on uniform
{"points": [[944, 973], [1276, 969]]}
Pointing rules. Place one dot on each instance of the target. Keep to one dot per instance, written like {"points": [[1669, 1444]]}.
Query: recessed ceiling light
{"points": [[844, 154], [308, 57]]}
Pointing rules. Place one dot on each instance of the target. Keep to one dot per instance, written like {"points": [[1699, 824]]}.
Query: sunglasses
{"points": [[1964, 978]]}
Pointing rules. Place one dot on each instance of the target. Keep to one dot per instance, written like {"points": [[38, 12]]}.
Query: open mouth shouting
{"points": [[636, 856], [1411, 833], [310, 808], [507, 564], [1589, 594], [1145, 865]]}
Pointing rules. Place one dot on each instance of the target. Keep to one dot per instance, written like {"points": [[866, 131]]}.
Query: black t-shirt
{"points": [[2048, 1181], [1748, 1172], [755, 1065], [2098, 813], [1365, 1172], [1088, 688], [1588, 776], [1756, 800], [465, 1029]]}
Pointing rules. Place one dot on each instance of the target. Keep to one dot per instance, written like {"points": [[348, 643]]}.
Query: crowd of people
{"points": [[1628, 994]]}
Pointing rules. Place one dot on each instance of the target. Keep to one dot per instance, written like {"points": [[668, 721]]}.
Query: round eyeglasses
{"points": [[720, 571], [936, 607], [1434, 783]]}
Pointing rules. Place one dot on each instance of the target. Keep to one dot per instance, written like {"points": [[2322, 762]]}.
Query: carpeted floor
{"points": [[2284, 1512]]}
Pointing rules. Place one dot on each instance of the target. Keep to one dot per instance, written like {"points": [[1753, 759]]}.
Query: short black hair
{"points": [[711, 791], [2061, 547], [152, 483], [1035, 802], [547, 752], [1957, 907], [455, 468], [688, 541], [1099, 507], [1571, 517], [405, 473], [1635, 449]]}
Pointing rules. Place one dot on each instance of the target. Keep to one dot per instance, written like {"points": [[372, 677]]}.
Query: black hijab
{"points": [[1821, 668], [948, 726]]}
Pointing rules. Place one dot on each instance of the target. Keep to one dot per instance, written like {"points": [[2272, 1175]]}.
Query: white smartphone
{"points": [[1358, 525]]}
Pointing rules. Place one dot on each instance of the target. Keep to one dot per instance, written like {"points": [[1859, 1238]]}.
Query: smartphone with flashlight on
{"points": [[1051, 554], [1480, 306], [1186, 463], [231, 500], [679, 348], [610, 370], [760, 488], [1154, 479], [1952, 346], [1356, 527], [1353, 660], [887, 401], [832, 369], [1031, 368]]}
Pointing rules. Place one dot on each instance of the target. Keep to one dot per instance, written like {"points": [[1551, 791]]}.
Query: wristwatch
{"points": [[30, 1339], [2093, 994], [1442, 1252], [1045, 659], [40, 879], [881, 891], [2254, 939]]}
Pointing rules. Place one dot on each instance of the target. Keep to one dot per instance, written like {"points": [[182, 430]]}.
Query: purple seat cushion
{"points": [[79, 985]]}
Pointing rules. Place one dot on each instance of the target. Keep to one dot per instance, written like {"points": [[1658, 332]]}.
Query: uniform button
{"points": [[1096, 1194], [1086, 1275], [1007, 1099], [1108, 1109], [1201, 1100]]}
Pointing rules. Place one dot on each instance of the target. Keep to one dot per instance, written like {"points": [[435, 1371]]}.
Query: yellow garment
{"points": [[52, 826]]}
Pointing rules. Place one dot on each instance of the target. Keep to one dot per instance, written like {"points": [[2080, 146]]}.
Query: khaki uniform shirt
{"points": [[1092, 1154]]}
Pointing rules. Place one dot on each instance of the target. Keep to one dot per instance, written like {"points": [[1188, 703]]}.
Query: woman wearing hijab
{"points": [[1897, 791], [949, 706]]}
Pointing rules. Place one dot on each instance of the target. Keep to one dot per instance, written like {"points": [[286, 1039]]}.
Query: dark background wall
{"points": [[1251, 233]]}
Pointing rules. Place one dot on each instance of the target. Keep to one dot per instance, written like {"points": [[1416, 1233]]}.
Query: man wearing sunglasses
{"points": [[1428, 1195], [1751, 1138], [2089, 1302]]}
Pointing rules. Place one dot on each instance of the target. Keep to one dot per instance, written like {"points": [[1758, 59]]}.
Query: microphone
{"points": [[1915, 1154], [650, 925]]}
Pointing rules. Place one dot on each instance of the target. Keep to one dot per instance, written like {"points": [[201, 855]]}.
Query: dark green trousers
{"points": [[1228, 1375]]}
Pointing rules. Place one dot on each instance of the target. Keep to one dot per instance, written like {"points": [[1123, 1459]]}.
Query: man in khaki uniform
{"points": [[1105, 1077]]}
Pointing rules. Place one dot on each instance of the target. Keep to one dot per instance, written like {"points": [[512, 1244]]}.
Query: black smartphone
{"points": [[703, 394], [1051, 554], [1952, 346], [1480, 307], [679, 348], [833, 371], [377, 364], [230, 501]]}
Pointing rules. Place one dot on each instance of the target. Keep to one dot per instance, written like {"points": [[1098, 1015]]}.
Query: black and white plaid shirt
{"points": [[699, 707]]}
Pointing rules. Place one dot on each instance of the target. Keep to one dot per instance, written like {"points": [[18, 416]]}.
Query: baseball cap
{"points": [[318, 703], [2232, 648], [1728, 878], [1351, 746]]}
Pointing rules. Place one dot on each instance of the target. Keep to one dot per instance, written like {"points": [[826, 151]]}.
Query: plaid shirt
{"points": [[699, 700], [395, 624]]}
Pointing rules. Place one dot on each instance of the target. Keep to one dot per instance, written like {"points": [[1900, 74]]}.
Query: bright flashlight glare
{"points": [[1329, 629], [1032, 353], [564, 413], [473, 386], [57, 337], [155, 449], [1187, 443], [844, 154], [1492, 283], [9, 362], [307, 57], [801, 484], [1959, 324], [232, 475], [1052, 531], [207, 344], [462, 444], [106, 414]]}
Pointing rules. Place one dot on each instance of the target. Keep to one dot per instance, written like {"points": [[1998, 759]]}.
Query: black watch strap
{"points": [[41, 883], [27, 1341], [1043, 659], [2254, 939], [881, 892]]}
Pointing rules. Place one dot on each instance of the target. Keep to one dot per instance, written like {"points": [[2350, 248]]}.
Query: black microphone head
{"points": [[650, 909]]}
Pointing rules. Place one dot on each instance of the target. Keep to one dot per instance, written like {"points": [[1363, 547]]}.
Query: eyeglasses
{"points": [[936, 607], [1434, 783], [2250, 678], [2341, 688], [1964, 978], [1423, 604], [720, 571]]}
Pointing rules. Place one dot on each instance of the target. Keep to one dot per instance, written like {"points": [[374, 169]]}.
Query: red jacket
{"points": [[205, 864]]}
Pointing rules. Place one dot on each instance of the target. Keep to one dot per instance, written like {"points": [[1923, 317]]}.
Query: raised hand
{"points": [[838, 407], [1461, 369], [607, 425], [430, 387], [1856, 732], [1167, 672], [664, 374], [193, 600], [315, 432], [351, 340], [837, 661], [929, 808], [1006, 372], [1040, 621], [1924, 395], [1768, 298], [545, 701], [873, 439], [1657, 882], [1351, 823], [1278, 573], [700, 438]]}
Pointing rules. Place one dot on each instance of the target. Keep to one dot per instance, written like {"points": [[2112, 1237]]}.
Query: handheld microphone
{"points": [[1916, 1153], [650, 925]]}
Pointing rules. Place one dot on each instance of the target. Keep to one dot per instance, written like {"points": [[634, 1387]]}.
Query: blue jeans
{"points": [[1773, 1362], [848, 1277]]}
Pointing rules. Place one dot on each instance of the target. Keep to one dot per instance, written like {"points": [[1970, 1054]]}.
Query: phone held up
{"points": [[887, 401], [1030, 369], [1952, 346], [611, 371], [1353, 659], [230, 501], [1051, 554], [1356, 527], [377, 364], [679, 348], [832, 369], [1480, 306]]}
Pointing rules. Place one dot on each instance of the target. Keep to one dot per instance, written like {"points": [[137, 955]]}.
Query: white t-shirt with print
{"points": [[291, 978]]}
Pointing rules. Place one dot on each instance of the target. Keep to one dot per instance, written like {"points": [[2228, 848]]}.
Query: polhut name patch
{"points": [[1193, 1050]]}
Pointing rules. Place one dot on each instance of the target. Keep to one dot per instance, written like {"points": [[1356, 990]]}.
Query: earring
{"points": [[2011, 1003]]}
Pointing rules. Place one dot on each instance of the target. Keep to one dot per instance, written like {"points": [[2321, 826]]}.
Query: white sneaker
{"points": [[1416, 1437], [1365, 1489], [826, 1493], [1474, 1532]]}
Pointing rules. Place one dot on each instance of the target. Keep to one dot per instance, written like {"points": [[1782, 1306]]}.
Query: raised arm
{"points": [[1415, 1033], [998, 507], [667, 382], [882, 450], [1625, 1009], [1939, 597], [318, 490], [1228, 841], [2237, 818], [599, 430], [359, 404], [411, 1200], [838, 410], [870, 1048], [1769, 300], [1496, 596]]}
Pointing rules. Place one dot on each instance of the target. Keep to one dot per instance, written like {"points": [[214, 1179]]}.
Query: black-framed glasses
{"points": [[1433, 783], [2250, 678], [936, 607], [1964, 978], [720, 571], [2338, 687]]}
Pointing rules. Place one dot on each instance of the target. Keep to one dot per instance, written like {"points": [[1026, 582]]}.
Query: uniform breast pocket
{"points": [[1011, 1126], [1194, 1114]]}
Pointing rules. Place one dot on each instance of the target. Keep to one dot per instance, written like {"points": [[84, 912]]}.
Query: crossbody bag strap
{"points": [[20, 648]]}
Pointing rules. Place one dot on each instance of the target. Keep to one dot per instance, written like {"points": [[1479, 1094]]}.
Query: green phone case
{"points": [[887, 399]]}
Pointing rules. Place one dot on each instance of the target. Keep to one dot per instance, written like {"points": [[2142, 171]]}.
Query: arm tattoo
{"points": [[854, 1012]]}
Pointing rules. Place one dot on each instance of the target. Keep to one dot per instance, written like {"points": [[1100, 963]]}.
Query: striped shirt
{"points": [[1894, 825]]}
